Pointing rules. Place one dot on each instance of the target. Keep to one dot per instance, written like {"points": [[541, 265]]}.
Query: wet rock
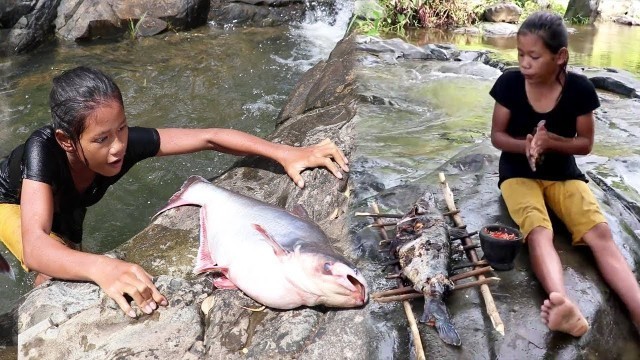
{"points": [[12, 10], [88, 19], [617, 81], [31, 29], [499, 29], [70, 320], [397, 48], [149, 26], [259, 13], [503, 12], [582, 9], [626, 20]]}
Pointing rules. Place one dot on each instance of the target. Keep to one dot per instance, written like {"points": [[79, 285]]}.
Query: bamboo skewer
{"points": [[407, 293], [376, 215], [492, 311], [413, 325]]}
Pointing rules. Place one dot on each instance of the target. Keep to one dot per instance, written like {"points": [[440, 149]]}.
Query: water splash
{"points": [[318, 33]]}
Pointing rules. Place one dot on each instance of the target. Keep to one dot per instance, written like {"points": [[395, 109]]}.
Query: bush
{"points": [[398, 15]]}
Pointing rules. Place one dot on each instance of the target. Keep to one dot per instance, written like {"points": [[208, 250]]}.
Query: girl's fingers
{"points": [[155, 293], [124, 305], [326, 162]]}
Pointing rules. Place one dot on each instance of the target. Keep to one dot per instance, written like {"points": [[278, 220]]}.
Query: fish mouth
{"points": [[360, 289]]}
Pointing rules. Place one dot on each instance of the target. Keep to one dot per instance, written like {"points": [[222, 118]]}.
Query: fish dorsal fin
{"points": [[204, 260], [277, 248], [299, 211]]}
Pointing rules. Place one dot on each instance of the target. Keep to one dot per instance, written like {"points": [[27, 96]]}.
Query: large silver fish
{"points": [[275, 257], [423, 248]]}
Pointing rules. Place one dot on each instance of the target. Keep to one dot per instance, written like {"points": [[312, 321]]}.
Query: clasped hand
{"points": [[537, 144], [296, 159]]}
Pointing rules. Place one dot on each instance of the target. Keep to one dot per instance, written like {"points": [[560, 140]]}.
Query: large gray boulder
{"points": [[503, 12], [88, 19], [33, 25], [582, 9]]}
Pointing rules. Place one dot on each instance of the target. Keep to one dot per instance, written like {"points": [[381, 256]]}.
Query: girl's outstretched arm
{"points": [[293, 159], [48, 256]]}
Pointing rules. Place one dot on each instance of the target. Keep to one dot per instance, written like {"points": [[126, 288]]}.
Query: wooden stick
{"points": [[405, 299], [492, 311], [408, 293], [398, 291], [413, 325], [471, 273], [382, 225], [471, 264], [482, 282], [374, 215]]}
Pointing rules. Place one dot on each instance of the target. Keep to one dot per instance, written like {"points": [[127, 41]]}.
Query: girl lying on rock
{"points": [[47, 183], [543, 116]]}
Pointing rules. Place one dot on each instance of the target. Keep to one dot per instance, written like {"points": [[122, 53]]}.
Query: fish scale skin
{"points": [[425, 253]]}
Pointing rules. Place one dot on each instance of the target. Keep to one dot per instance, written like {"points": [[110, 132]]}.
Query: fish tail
{"points": [[5, 268], [436, 313], [177, 198]]}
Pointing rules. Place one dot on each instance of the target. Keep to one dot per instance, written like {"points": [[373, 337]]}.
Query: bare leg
{"points": [[558, 312], [614, 268]]}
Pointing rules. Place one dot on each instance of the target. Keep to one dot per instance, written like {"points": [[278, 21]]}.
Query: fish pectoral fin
{"points": [[435, 310], [299, 211], [277, 248]]}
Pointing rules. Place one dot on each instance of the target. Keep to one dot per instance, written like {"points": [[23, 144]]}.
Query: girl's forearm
{"points": [[569, 146], [506, 142], [240, 143], [54, 259]]}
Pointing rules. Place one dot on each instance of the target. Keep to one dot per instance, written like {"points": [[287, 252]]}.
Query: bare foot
{"points": [[560, 314]]}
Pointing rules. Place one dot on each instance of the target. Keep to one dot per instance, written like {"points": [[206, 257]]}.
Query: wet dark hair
{"points": [[550, 28], [76, 94]]}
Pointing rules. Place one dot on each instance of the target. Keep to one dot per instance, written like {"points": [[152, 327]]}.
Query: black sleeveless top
{"points": [[42, 159], [578, 97]]}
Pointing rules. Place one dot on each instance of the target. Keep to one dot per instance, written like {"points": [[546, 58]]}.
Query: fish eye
{"points": [[326, 268]]}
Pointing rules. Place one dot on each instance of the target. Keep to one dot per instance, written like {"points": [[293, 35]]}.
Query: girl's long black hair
{"points": [[76, 94]]}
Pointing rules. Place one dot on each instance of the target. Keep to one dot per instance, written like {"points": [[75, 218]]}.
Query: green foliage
{"points": [[134, 27], [398, 15], [530, 6], [579, 20]]}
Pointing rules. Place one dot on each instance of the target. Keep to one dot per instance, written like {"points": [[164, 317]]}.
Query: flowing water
{"points": [[208, 77]]}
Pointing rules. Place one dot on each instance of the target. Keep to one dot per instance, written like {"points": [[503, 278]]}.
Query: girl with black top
{"points": [[47, 183], [543, 116]]}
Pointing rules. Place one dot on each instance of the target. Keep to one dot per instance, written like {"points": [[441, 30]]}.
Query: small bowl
{"points": [[500, 253]]}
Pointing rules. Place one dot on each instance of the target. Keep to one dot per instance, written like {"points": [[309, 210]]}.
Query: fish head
{"points": [[333, 280]]}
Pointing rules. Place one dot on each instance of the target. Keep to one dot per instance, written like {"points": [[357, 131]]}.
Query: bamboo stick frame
{"points": [[492, 311]]}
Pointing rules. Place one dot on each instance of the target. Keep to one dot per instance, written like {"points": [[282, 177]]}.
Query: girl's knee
{"points": [[598, 235]]}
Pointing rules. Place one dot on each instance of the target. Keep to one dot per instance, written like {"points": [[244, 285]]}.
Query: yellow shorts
{"points": [[11, 232], [571, 200]]}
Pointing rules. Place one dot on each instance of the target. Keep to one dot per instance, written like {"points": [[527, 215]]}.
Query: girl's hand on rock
{"points": [[297, 159], [117, 278]]}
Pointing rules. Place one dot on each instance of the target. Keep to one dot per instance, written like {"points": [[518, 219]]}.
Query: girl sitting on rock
{"points": [[543, 116], [47, 183]]}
